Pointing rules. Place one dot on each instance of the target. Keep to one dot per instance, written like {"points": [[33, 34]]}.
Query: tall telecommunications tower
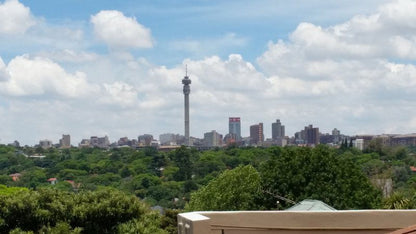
{"points": [[186, 90]]}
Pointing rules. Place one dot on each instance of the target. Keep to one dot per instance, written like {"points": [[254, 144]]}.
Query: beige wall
{"points": [[268, 222]]}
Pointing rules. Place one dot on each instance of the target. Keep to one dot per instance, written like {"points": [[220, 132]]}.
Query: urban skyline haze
{"points": [[115, 68]]}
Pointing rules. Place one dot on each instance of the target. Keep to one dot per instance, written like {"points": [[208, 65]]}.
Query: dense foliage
{"points": [[317, 173], [220, 179], [235, 189], [49, 210]]}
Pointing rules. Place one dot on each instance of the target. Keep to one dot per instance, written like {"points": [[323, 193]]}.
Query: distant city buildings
{"points": [[125, 141], [278, 130], [336, 136], [65, 142], [45, 144], [234, 127], [404, 140], [256, 134], [212, 139], [85, 143], [145, 140], [94, 141], [14, 144], [171, 139], [278, 134], [309, 136]]}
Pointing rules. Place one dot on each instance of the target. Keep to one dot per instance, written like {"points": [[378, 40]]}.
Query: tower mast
{"points": [[186, 91]]}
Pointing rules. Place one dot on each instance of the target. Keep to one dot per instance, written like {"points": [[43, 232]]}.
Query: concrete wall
{"points": [[302, 222]]}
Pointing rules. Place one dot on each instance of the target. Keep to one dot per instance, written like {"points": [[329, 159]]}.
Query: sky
{"points": [[96, 68]]}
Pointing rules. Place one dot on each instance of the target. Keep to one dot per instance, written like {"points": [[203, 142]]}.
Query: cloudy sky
{"points": [[115, 67]]}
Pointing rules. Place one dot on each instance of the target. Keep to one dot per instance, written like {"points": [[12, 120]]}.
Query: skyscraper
{"points": [[256, 134], [234, 127], [212, 139], [311, 135], [65, 142], [278, 130], [186, 91]]}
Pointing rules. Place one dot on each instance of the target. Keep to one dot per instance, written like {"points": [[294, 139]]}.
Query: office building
{"points": [[256, 134], [311, 135], [234, 127], [45, 144], [278, 130], [99, 142], [65, 142], [336, 134], [145, 140], [212, 139], [171, 139]]}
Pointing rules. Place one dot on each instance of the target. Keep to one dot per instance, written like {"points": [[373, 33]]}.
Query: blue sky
{"points": [[254, 23], [114, 67]]}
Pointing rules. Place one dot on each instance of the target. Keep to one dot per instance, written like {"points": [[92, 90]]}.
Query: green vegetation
{"points": [[111, 190], [55, 211], [235, 189]]}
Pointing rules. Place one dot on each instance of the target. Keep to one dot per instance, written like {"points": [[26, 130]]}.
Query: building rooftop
{"points": [[311, 205], [405, 135]]}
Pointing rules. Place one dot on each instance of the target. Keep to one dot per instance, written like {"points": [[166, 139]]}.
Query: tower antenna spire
{"points": [[186, 69]]}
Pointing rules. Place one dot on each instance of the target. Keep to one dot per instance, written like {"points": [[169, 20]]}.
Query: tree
{"points": [[55, 211], [317, 173], [182, 159], [235, 189]]}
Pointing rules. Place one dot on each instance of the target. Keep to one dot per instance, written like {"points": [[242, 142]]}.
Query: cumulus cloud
{"points": [[119, 31], [349, 68], [4, 74], [70, 56], [358, 75], [210, 45], [40, 76], [120, 93], [15, 18]]}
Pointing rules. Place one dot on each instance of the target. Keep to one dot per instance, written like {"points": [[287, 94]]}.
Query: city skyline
{"points": [[71, 67]]}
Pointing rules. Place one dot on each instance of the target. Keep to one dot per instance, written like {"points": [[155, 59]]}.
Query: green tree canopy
{"points": [[235, 189], [55, 211], [317, 173]]}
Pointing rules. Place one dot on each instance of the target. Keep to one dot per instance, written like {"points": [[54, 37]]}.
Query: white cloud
{"points": [[348, 73], [357, 76], [4, 74], [68, 55], [210, 45], [15, 18], [41, 76], [119, 93], [119, 31]]}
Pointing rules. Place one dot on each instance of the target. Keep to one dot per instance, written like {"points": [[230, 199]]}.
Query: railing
{"points": [[273, 222]]}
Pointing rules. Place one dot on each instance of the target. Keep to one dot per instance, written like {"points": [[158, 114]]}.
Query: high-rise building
{"points": [[103, 142], [186, 91], [234, 127], [85, 143], [145, 139], [45, 144], [336, 136], [171, 139], [311, 135], [99, 142], [256, 134], [65, 142], [278, 130], [212, 139]]}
